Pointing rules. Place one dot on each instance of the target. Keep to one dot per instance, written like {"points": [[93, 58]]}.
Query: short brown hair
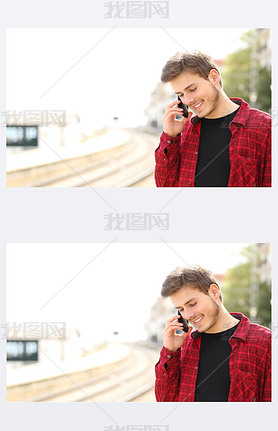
{"points": [[196, 277], [196, 62]]}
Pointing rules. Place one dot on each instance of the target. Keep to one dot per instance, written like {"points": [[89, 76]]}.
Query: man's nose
{"points": [[187, 314], [188, 100]]}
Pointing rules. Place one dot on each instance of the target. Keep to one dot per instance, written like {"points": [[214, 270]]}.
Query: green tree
{"points": [[244, 289], [264, 90], [244, 77]]}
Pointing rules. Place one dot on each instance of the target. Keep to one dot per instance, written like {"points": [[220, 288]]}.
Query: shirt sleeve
{"points": [[267, 376], [167, 372], [267, 167], [167, 158]]}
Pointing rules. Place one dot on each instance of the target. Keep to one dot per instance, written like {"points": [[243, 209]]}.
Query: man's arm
{"points": [[167, 369], [167, 158], [267, 376], [167, 155], [167, 372], [267, 167]]}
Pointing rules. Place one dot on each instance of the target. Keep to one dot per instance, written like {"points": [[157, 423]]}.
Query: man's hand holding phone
{"points": [[171, 125], [171, 340]]}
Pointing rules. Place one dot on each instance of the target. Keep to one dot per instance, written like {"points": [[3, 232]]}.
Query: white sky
{"points": [[115, 78], [115, 292]]}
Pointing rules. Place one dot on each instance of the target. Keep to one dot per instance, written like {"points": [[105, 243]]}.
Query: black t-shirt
{"points": [[213, 380], [213, 164]]}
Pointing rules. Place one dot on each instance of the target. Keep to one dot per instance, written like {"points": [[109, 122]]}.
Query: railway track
{"points": [[124, 384], [132, 165], [126, 169], [131, 380]]}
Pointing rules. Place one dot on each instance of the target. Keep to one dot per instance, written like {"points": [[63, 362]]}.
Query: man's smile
{"points": [[198, 105], [198, 320]]}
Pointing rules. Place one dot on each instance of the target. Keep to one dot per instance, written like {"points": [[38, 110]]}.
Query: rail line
{"points": [[116, 386], [128, 166], [125, 169], [130, 380]]}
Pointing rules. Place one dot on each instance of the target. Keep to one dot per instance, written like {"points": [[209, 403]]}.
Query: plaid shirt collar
{"points": [[241, 115], [240, 332]]}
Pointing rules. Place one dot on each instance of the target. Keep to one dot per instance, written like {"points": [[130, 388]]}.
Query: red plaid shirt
{"points": [[249, 365], [250, 151]]}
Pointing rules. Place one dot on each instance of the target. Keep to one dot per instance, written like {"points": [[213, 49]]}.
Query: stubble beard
{"points": [[213, 315], [213, 100]]}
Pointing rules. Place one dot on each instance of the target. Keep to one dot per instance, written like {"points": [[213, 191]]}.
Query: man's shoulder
{"points": [[259, 332], [251, 331], [252, 114], [258, 115]]}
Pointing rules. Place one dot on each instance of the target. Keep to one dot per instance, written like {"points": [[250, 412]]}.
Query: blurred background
{"points": [[85, 321], [85, 106]]}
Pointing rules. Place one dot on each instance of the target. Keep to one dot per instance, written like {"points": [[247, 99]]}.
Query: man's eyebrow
{"points": [[186, 88], [179, 306]]}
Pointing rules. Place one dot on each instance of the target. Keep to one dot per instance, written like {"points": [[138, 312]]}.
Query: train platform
{"points": [[49, 369], [45, 154]]}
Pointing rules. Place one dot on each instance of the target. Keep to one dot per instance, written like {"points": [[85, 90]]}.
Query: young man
{"points": [[227, 358], [226, 144]]}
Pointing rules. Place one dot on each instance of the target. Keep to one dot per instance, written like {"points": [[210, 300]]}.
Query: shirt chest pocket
{"points": [[246, 386], [243, 171]]}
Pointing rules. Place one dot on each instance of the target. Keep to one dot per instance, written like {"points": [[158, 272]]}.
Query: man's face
{"points": [[200, 94], [200, 309]]}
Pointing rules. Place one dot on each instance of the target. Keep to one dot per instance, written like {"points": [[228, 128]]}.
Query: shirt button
{"points": [[196, 368], [164, 160], [173, 356], [164, 374], [196, 152], [168, 142], [168, 356]]}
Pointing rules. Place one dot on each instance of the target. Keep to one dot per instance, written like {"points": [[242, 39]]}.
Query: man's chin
{"points": [[205, 113], [202, 114], [201, 328]]}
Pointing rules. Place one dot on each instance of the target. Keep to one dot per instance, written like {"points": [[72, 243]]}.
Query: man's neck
{"points": [[224, 107], [225, 321]]}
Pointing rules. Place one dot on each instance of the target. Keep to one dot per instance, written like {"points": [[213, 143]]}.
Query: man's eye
{"points": [[192, 89], [191, 305]]}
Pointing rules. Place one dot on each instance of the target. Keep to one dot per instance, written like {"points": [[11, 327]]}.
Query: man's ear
{"points": [[214, 291], [214, 76]]}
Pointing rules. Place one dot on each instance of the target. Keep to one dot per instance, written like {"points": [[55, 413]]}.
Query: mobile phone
{"points": [[184, 322], [183, 107]]}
